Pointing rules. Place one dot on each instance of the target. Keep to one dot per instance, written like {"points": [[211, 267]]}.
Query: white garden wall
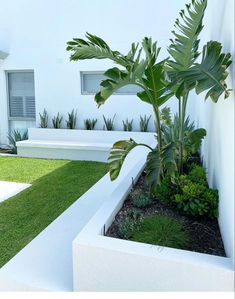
{"points": [[218, 120], [35, 35]]}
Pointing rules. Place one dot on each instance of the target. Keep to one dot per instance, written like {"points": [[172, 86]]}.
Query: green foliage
{"points": [[15, 136], [144, 122], [43, 119], [210, 74], [72, 119], [90, 123], [56, 121], [159, 81], [184, 46], [196, 199], [140, 200], [153, 169], [127, 125], [163, 231], [197, 174], [117, 156], [165, 116], [166, 191], [171, 154], [129, 223], [109, 123]]}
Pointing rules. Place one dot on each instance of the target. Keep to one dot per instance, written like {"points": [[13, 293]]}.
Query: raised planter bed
{"points": [[113, 264]]}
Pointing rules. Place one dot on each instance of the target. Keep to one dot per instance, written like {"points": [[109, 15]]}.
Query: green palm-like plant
{"points": [[183, 70], [159, 81], [136, 69]]}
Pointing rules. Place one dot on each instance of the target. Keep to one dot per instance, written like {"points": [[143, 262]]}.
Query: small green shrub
{"points": [[197, 199], [140, 200], [163, 231], [129, 223], [144, 122], [43, 119], [56, 121], [197, 174], [15, 136], [166, 190], [109, 123], [90, 123], [72, 119], [127, 125]]}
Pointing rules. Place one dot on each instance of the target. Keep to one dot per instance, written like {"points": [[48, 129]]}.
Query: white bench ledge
{"points": [[64, 144]]}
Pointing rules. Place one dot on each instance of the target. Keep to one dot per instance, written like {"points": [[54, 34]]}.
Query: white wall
{"points": [[218, 120], [35, 34]]}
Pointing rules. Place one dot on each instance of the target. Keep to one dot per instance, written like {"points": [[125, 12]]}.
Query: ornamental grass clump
{"points": [[163, 231]]}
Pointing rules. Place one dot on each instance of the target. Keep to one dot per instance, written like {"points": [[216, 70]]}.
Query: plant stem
{"points": [[159, 132], [182, 113]]}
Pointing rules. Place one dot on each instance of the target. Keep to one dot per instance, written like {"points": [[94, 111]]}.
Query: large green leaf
{"points": [[94, 47], [118, 155], [154, 80], [117, 79], [153, 169], [184, 47], [193, 140], [210, 73]]}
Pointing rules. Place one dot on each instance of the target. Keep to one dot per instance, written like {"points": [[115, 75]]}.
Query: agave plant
{"points": [[90, 123], [43, 119], [56, 121], [15, 136], [144, 122], [159, 81], [72, 119], [127, 125], [109, 123]]}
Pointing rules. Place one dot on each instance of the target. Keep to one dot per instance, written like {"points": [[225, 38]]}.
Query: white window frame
{"points": [[8, 96], [83, 92]]}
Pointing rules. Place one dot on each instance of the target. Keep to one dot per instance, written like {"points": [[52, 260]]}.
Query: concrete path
{"points": [[9, 189]]}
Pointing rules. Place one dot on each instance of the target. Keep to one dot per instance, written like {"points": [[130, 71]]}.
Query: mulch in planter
{"points": [[204, 233]]}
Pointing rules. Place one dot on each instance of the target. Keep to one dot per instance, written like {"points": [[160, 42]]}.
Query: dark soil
{"points": [[204, 233]]}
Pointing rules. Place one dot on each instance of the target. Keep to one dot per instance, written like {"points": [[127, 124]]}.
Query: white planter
{"points": [[102, 263]]}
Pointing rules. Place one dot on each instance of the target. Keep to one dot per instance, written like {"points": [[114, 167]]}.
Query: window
{"points": [[21, 95], [90, 84]]}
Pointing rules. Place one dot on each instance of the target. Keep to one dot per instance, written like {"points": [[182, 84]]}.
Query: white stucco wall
{"points": [[218, 120], [35, 34]]}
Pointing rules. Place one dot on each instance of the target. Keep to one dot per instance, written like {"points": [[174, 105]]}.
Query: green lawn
{"points": [[56, 184]]}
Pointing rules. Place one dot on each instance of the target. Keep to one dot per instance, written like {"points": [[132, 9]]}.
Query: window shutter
{"points": [[30, 107], [16, 106], [21, 95]]}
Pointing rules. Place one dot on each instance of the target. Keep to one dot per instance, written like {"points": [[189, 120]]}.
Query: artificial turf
{"points": [[56, 184]]}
